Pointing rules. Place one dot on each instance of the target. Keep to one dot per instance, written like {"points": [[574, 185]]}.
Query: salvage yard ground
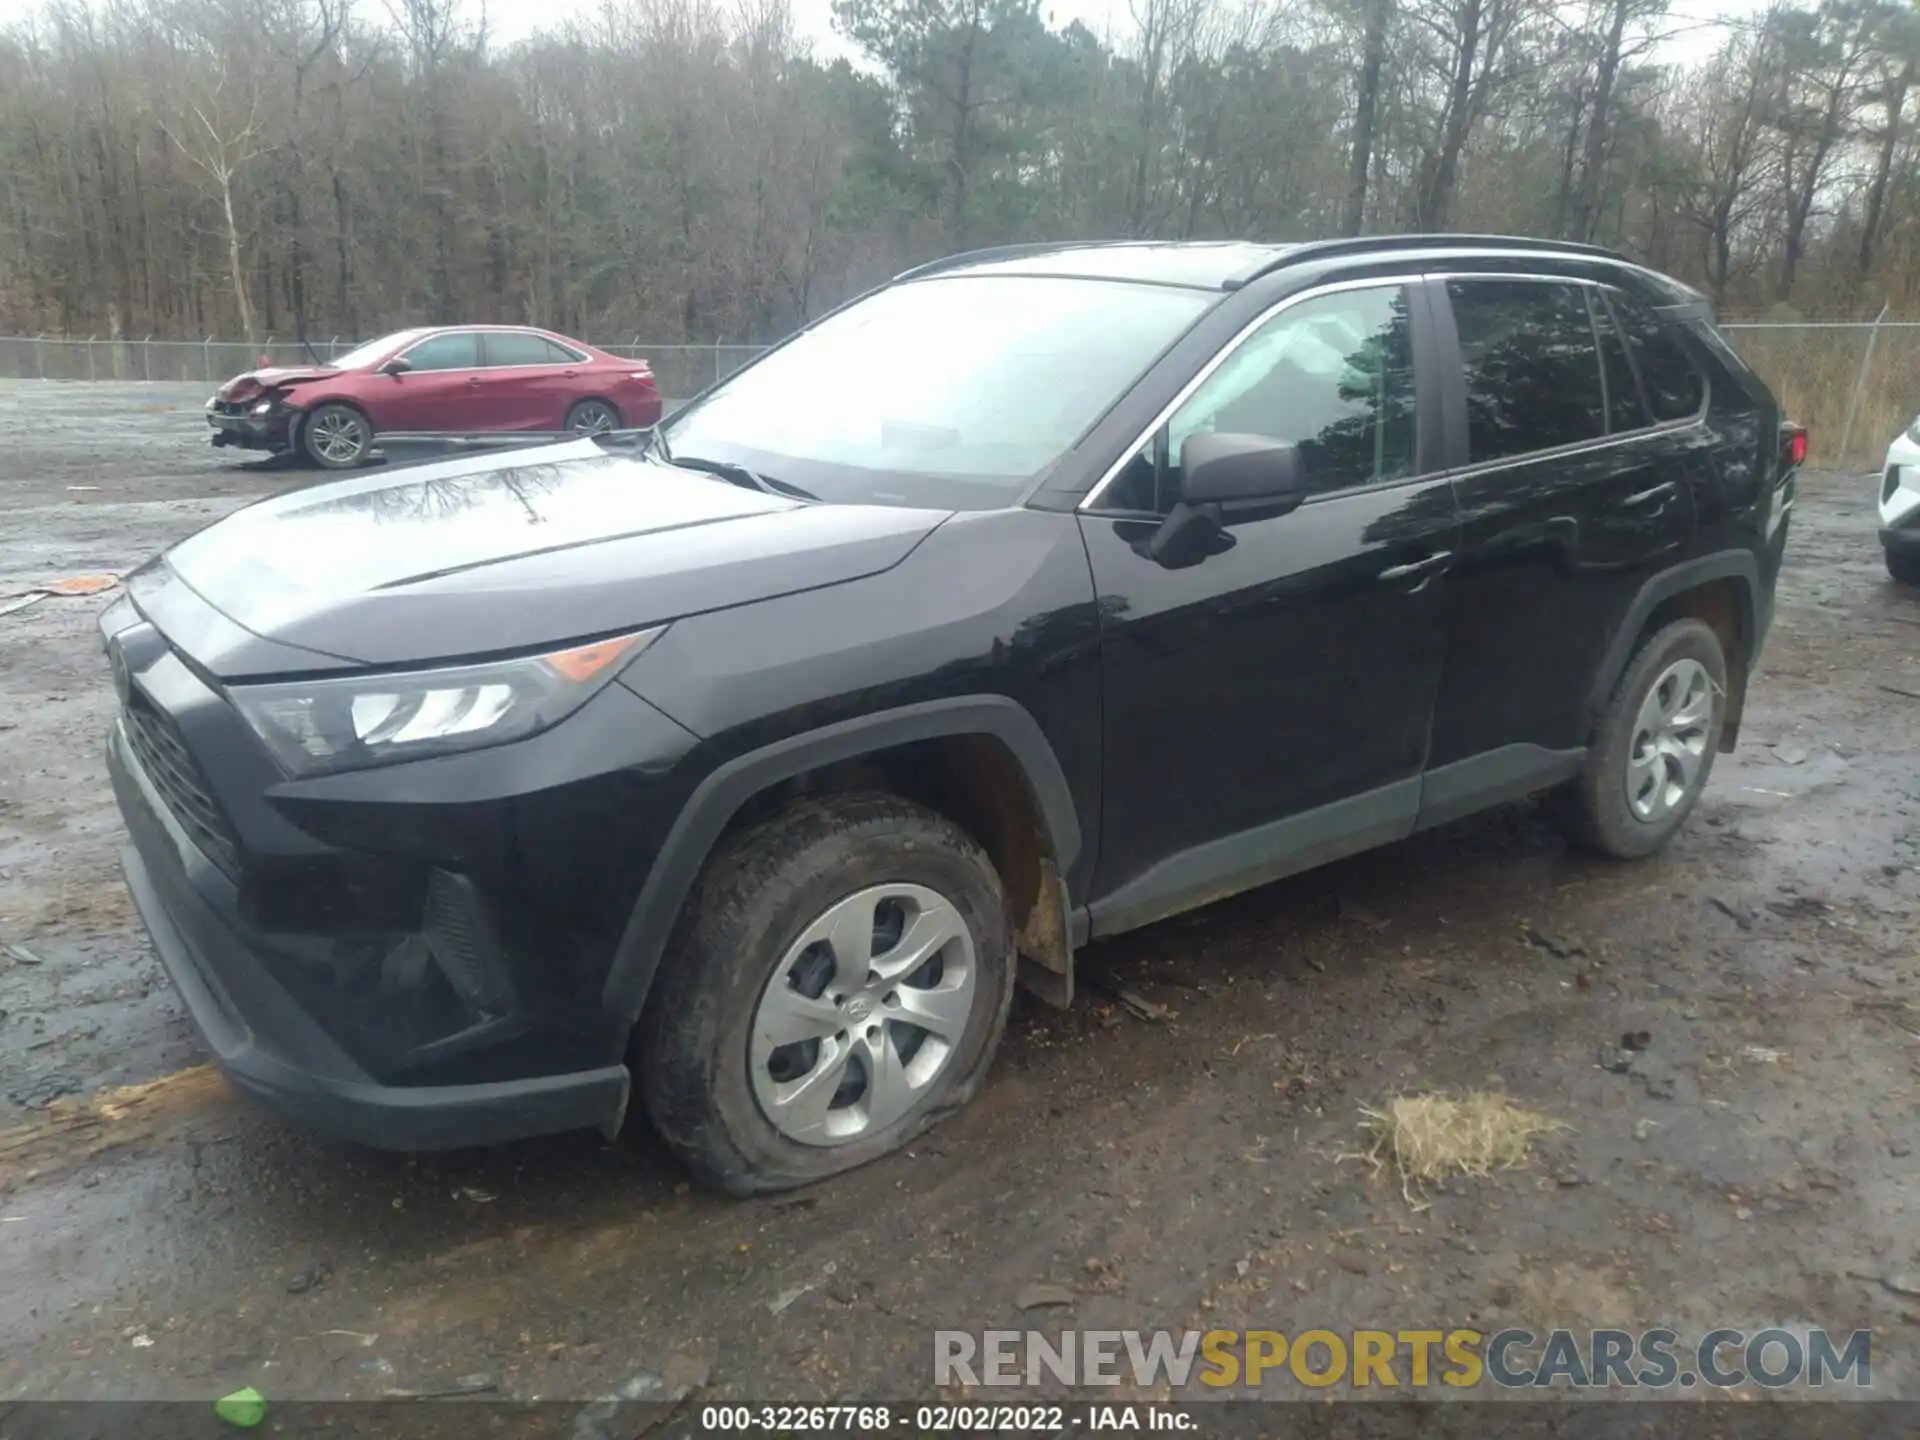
{"points": [[1184, 1149]]}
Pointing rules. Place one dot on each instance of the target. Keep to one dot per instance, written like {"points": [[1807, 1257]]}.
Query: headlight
{"points": [[314, 727], [264, 407]]}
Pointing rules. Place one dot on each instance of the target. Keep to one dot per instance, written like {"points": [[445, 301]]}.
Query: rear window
{"points": [[513, 347], [1532, 366], [1675, 388]]}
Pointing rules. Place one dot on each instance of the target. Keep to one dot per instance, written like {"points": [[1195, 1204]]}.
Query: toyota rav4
{"points": [[737, 771]]}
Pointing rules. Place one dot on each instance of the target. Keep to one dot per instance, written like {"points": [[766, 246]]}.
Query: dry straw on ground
{"points": [[1428, 1137]]}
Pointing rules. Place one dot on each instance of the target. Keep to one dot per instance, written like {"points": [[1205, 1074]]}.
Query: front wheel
{"points": [[1904, 566], [839, 983], [336, 437], [1654, 746]]}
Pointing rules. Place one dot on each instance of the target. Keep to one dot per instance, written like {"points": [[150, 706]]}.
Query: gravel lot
{"points": [[1754, 1166]]}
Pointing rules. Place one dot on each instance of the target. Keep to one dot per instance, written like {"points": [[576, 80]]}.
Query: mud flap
{"points": [[1046, 953]]}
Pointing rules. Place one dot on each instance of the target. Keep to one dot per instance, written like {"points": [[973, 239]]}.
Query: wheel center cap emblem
{"points": [[859, 1007]]}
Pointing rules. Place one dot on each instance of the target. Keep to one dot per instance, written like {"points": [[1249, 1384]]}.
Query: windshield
{"points": [[371, 351], [951, 393]]}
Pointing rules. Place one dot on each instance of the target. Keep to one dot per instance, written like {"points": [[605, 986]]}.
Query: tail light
{"points": [[641, 371], [1793, 446]]}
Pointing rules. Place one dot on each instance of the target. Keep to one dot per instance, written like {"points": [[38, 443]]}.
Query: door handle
{"points": [[1649, 495], [1417, 567], [473, 379]]}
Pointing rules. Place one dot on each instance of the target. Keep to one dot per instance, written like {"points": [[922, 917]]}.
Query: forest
{"points": [[689, 170]]}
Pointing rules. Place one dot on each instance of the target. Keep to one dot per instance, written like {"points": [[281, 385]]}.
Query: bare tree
{"points": [[1463, 48], [687, 169], [220, 135], [1366, 106], [1820, 85], [1722, 116]]}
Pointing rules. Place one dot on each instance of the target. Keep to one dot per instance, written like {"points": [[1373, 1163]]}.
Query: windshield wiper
{"points": [[738, 474]]}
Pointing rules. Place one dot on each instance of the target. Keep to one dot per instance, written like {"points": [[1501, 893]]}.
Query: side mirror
{"points": [[1224, 479], [1243, 474], [398, 365]]}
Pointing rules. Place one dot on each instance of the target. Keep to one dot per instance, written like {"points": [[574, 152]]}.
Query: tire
{"points": [[1904, 566], [336, 437], [709, 1076], [592, 417], [1685, 661]]}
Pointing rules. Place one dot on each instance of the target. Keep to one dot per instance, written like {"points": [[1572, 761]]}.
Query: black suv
{"points": [[1036, 596]]}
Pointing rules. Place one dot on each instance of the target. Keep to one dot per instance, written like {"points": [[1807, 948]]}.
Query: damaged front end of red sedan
{"points": [[256, 411]]}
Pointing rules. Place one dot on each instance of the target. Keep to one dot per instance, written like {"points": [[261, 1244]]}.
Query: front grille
{"points": [[170, 766]]}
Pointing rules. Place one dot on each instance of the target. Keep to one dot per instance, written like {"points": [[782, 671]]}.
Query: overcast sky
{"points": [[1694, 34], [1692, 20]]}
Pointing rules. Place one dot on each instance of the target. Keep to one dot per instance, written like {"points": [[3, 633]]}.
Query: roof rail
{"points": [[998, 252], [1371, 244]]}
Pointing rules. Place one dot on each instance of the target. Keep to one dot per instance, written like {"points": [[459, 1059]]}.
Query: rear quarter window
{"points": [[1674, 386]]}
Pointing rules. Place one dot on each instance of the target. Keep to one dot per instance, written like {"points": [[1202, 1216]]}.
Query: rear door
{"points": [[1571, 494], [441, 391], [531, 382]]}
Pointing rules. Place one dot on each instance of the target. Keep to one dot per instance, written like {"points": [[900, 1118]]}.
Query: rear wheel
{"points": [[839, 984], [1904, 566], [1653, 749], [592, 417], [336, 437]]}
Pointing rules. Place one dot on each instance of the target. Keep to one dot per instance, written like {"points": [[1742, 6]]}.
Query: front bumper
{"points": [[267, 1045], [272, 431], [1899, 495]]}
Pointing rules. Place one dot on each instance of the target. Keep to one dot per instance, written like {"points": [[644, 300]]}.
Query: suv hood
{"points": [[479, 556]]}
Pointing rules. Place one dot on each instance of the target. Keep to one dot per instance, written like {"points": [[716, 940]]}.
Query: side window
{"points": [[1532, 366], [1626, 409], [457, 351], [513, 347], [1332, 376], [1674, 387]]}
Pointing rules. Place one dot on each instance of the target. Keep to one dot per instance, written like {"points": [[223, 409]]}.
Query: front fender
{"points": [[718, 798]]}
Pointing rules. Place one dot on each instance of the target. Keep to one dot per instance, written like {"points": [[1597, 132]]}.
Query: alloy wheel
{"points": [[337, 436], [592, 419]]}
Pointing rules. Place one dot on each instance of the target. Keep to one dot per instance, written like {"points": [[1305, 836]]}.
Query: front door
{"points": [[442, 391], [1266, 708]]}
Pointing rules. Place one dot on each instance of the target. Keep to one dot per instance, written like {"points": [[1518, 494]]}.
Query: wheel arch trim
{"points": [[719, 797], [1740, 565]]}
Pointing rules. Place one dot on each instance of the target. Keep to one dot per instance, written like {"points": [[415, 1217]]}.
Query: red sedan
{"points": [[421, 384]]}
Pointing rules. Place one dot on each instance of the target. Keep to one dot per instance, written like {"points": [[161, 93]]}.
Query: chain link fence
{"points": [[682, 370], [1853, 384]]}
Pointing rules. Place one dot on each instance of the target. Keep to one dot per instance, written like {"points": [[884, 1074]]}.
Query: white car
{"points": [[1900, 507]]}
